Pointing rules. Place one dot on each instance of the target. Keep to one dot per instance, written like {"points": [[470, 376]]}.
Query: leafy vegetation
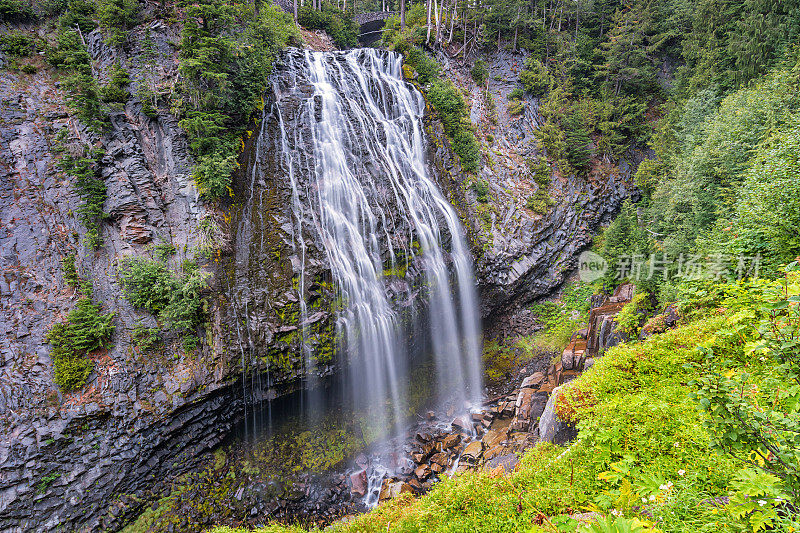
{"points": [[560, 318], [90, 186], [443, 95], [224, 75], [338, 24], [85, 330], [145, 338], [175, 299], [647, 413], [116, 18]]}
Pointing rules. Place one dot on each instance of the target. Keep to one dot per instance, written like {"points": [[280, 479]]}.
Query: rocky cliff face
{"points": [[78, 460], [89, 460], [522, 253]]}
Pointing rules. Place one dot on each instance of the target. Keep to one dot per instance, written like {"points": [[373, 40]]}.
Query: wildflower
{"points": [[616, 512], [761, 503], [652, 498], [677, 444], [681, 472], [644, 500], [714, 511]]}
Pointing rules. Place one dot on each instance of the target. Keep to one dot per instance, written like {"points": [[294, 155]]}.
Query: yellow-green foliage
{"points": [[498, 362], [560, 319], [642, 449], [629, 319], [84, 331]]}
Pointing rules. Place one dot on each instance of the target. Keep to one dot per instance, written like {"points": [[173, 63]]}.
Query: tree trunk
{"points": [[428, 24], [402, 15], [437, 36], [452, 22], [295, 11]]}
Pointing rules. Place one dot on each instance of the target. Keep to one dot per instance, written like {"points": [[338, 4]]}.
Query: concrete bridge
{"points": [[371, 25]]}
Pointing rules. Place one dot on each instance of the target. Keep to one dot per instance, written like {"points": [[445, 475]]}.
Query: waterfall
{"points": [[346, 138]]}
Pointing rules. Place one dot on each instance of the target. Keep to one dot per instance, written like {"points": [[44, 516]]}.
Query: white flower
{"points": [[681, 472], [677, 444], [616, 513], [644, 500], [652, 498], [761, 503]]}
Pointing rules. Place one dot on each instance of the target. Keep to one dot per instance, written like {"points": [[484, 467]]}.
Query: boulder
{"points": [[533, 381], [422, 472], [358, 483], [462, 422], [473, 451], [451, 441], [393, 489]]}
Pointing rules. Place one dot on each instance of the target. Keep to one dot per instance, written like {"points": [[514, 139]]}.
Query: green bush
{"points": [[116, 17], [224, 76], [151, 285], [15, 10], [631, 318], [79, 13], [69, 270], [426, 67], [516, 107], [766, 214], [540, 202], [84, 331], [116, 90], [18, 44], [449, 103], [481, 188], [90, 186], [338, 24], [540, 171], [516, 94], [479, 72], [83, 93], [145, 338], [535, 78]]}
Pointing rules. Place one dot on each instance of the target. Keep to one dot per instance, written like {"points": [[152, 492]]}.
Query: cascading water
{"points": [[344, 131]]}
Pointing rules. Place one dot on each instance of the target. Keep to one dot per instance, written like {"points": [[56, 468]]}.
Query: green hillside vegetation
{"points": [[668, 427]]}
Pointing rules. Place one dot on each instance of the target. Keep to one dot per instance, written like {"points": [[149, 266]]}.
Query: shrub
{"points": [[449, 103], [145, 338], [516, 107], [115, 17], [224, 76], [540, 171], [630, 319], [516, 94], [79, 13], [426, 67], [84, 331], [479, 72], [116, 90], [151, 285], [539, 202], [91, 188], [190, 343], [336, 23], [18, 44], [15, 10], [535, 78], [481, 188], [69, 270]]}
